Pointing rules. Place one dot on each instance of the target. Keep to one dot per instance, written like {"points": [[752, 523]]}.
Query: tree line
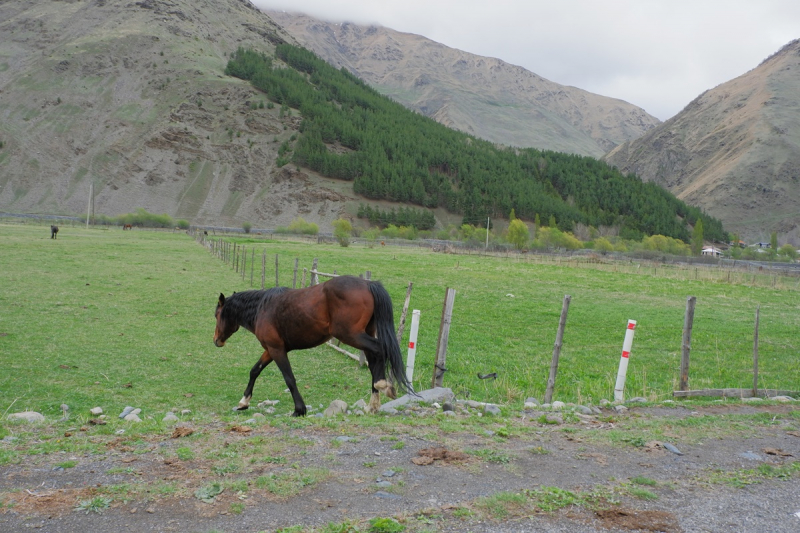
{"points": [[394, 154], [404, 216]]}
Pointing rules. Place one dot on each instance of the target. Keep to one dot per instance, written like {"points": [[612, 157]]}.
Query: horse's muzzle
{"points": [[219, 343]]}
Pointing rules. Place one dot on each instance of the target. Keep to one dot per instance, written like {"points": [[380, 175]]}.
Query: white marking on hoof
{"points": [[386, 388], [374, 403], [244, 403]]}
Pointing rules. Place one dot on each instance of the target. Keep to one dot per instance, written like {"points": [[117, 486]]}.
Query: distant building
{"points": [[711, 251]]}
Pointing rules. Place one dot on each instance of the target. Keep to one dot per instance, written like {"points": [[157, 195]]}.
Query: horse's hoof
{"points": [[241, 408], [299, 413]]}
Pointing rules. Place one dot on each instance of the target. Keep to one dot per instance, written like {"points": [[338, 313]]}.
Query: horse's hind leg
{"points": [[377, 367], [262, 362]]}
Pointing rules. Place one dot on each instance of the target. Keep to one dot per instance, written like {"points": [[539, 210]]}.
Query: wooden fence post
{"points": [[294, 276], [402, 325], [277, 283], [551, 381], [263, 269], [755, 354], [686, 346], [252, 264], [314, 277], [444, 332]]}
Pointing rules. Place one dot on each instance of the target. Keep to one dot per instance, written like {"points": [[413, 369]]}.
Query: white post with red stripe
{"points": [[623, 361], [412, 345]]}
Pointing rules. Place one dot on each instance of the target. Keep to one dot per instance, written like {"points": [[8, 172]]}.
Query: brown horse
{"points": [[357, 312], [126, 226], [53, 232]]}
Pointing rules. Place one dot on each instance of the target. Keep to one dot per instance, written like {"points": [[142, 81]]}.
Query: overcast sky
{"points": [[656, 54]]}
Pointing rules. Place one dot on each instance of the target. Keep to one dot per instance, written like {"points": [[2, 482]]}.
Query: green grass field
{"points": [[102, 317]]}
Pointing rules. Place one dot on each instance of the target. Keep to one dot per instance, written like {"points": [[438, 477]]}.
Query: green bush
{"points": [[342, 229], [300, 227]]}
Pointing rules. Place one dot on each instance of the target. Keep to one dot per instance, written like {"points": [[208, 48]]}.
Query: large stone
{"points": [[360, 404], [28, 416], [336, 407], [491, 409], [429, 396], [783, 399]]}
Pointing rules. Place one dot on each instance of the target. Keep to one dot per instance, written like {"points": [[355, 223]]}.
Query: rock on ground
{"points": [[436, 394], [28, 416]]}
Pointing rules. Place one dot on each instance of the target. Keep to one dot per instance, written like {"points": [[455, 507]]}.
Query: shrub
{"points": [[518, 233], [342, 229], [603, 245], [300, 226]]}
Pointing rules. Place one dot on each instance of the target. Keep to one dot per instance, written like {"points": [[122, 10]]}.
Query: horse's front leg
{"points": [[262, 362], [282, 360]]}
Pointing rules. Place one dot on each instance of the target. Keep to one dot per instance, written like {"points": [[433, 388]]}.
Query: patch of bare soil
{"points": [[632, 520], [428, 455], [223, 477]]}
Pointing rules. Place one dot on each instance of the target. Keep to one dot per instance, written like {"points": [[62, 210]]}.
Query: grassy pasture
{"points": [[112, 318]]}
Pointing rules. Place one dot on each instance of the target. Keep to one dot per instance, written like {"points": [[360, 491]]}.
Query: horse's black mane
{"points": [[243, 307]]}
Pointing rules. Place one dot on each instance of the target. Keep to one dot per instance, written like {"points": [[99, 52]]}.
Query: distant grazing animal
{"points": [[126, 226], [358, 312], [53, 232]]}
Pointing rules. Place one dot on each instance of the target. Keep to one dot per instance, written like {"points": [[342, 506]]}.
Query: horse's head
{"points": [[225, 328]]}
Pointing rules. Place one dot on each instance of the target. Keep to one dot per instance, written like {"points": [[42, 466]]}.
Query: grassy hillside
{"points": [[393, 154]]}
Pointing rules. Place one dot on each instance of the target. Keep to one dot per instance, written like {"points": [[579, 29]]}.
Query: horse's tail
{"points": [[384, 323]]}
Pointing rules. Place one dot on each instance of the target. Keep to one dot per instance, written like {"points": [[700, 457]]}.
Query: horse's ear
{"points": [[221, 300]]}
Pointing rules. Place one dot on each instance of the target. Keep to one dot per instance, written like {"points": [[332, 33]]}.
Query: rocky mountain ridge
{"points": [[734, 150]]}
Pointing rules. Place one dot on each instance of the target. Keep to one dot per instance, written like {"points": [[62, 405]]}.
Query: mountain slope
{"points": [[352, 132], [132, 100], [131, 97], [734, 151], [482, 96]]}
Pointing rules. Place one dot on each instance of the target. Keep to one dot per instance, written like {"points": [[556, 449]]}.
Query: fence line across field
{"points": [[742, 272], [236, 256]]}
